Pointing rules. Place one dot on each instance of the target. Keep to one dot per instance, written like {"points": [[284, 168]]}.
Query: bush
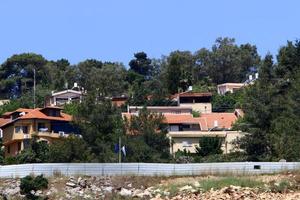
{"points": [[29, 183], [231, 157], [228, 181], [209, 146], [10, 160], [184, 156]]}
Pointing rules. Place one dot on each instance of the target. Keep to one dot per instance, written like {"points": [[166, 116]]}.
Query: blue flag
{"points": [[116, 148]]}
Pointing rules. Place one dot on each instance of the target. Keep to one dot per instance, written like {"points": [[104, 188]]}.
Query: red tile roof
{"points": [[206, 120], [4, 121], [33, 114], [224, 120]]}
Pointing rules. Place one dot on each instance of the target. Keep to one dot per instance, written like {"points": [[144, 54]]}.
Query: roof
{"points": [[180, 119], [224, 120], [191, 94], [66, 91], [34, 114], [231, 84], [206, 121], [4, 121], [162, 107]]}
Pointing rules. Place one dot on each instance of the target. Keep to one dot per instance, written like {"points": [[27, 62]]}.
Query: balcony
{"points": [[196, 133], [48, 134]]}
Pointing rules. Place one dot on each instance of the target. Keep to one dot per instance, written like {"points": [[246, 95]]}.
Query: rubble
{"points": [[107, 188]]}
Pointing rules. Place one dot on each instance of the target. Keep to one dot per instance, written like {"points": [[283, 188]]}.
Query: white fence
{"points": [[145, 169]]}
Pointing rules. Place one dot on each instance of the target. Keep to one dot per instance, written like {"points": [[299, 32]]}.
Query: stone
{"points": [[71, 184], [38, 193], [108, 189], [82, 183], [186, 188], [125, 192], [197, 184]]}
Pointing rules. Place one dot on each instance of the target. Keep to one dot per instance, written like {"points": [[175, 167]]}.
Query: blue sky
{"points": [[114, 30]]}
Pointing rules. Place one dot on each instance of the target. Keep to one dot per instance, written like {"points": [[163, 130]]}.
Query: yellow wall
{"points": [[200, 107], [13, 148], [10, 138], [179, 142]]}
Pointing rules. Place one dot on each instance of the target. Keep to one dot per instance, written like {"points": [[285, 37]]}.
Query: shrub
{"points": [[209, 146], [227, 181], [29, 183]]}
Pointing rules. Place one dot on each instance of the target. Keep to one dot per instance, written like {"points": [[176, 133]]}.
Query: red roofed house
{"points": [[19, 126], [186, 130], [200, 102]]}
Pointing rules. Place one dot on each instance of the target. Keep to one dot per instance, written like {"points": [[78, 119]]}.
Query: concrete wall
{"points": [[191, 141], [200, 107], [145, 169]]}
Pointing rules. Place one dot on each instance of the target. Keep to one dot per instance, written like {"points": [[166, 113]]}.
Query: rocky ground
{"points": [[284, 186]]}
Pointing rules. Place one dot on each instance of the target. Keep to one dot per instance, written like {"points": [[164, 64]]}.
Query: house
{"points": [[119, 101], [64, 97], [47, 124], [232, 87], [4, 101], [184, 130], [200, 102], [229, 87]]}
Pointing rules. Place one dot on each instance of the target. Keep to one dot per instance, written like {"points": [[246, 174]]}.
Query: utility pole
{"points": [[120, 155], [34, 88]]}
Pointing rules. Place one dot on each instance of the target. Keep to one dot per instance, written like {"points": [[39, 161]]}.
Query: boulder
{"points": [[125, 192]]}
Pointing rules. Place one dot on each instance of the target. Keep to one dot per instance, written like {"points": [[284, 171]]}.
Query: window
{"points": [[20, 129], [186, 144], [42, 127], [25, 129], [8, 149]]}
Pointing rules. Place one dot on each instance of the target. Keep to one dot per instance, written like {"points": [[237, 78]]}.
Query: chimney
{"points": [[215, 123], [75, 85], [190, 88]]}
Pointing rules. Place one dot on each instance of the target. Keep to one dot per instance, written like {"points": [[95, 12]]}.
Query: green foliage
{"points": [[29, 183], [209, 146], [38, 152], [227, 62], [227, 102], [230, 157], [100, 124], [208, 184], [70, 149], [196, 113], [282, 187], [272, 108], [10, 106], [141, 65], [71, 108], [148, 142]]}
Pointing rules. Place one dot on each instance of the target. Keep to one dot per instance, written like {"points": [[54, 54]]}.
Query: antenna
{"points": [[34, 88]]}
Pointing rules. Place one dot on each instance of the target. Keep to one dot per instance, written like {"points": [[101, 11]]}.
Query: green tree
{"points": [[100, 124], [16, 74], [141, 64], [209, 146], [272, 108], [178, 72], [148, 141], [38, 152], [70, 149]]}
